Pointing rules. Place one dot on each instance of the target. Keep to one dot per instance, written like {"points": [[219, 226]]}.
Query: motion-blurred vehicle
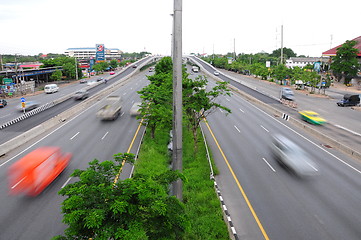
{"points": [[89, 83], [30, 105], [135, 66], [151, 69], [216, 73], [287, 93], [81, 94], [111, 109], [135, 109], [3, 103], [349, 100], [35, 171], [112, 73], [290, 155], [100, 79], [312, 117], [83, 80]]}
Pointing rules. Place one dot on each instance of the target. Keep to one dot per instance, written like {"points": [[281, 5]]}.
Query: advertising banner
{"points": [[100, 53]]}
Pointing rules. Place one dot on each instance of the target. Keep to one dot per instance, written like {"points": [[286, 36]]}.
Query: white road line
{"points": [[356, 133], [5, 115], [264, 128], [105, 135], [74, 136], [241, 110], [228, 99], [67, 181], [269, 165], [237, 128], [124, 94]]}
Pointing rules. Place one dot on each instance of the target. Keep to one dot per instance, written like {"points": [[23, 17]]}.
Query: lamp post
{"points": [[177, 95]]}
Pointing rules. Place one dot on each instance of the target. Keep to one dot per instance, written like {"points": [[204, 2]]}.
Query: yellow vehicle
{"points": [[312, 117]]}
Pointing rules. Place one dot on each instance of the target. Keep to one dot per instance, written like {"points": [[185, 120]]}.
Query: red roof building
{"points": [[332, 51]]}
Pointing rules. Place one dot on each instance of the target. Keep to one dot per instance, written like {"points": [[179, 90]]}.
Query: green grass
{"points": [[201, 202]]}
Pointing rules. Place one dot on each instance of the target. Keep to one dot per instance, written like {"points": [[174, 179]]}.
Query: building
{"points": [[303, 61], [332, 52], [89, 52]]}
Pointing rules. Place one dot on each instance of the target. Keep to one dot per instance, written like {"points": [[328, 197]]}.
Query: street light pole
{"points": [[177, 95], [76, 69]]}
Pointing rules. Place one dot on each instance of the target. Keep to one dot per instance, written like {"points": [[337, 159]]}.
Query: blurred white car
{"points": [[216, 73], [135, 109], [89, 83], [292, 156]]}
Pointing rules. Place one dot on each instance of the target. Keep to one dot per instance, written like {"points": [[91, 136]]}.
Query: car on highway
{"points": [[289, 154], [100, 79], [81, 94], [30, 105], [312, 117], [83, 80], [287, 93], [35, 171], [135, 109], [135, 66], [3, 103], [216, 73], [349, 100], [91, 82], [112, 73], [51, 88]]}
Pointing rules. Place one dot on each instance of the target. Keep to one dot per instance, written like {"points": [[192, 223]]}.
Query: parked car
{"points": [[3, 103], [312, 117], [36, 170], [30, 105], [349, 100], [81, 94], [292, 156]]}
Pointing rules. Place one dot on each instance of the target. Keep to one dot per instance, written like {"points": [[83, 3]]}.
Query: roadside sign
{"points": [[22, 99], [7, 80], [23, 104]]}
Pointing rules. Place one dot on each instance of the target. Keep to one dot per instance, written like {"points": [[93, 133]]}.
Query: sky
{"points": [[30, 27]]}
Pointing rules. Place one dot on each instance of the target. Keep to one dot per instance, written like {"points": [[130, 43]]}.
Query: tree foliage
{"points": [[56, 76], [345, 62], [68, 64], [138, 208]]}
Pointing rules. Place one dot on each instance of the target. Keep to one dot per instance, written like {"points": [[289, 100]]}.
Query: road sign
{"points": [[22, 99], [7, 80], [23, 104]]}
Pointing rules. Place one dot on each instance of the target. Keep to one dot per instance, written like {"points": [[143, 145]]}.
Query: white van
{"points": [[51, 88]]}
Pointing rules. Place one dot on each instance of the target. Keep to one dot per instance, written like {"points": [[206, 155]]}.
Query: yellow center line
{"points": [[239, 185], [128, 151]]}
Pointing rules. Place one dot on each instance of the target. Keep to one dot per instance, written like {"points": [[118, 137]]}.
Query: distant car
{"points": [[112, 73], [3, 103], [349, 100], [135, 66], [287, 93], [89, 83], [83, 80], [135, 109], [292, 156], [81, 94], [312, 117], [30, 105], [216, 73], [100, 79]]}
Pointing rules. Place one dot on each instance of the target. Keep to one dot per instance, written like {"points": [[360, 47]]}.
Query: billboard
{"points": [[100, 53]]}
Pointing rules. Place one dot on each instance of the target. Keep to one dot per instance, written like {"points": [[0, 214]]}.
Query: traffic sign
{"points": [[22, 99], [23, 104]]}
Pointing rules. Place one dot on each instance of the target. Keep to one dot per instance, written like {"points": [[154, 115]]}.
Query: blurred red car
{"points": [[112, 73], [35, 171]]}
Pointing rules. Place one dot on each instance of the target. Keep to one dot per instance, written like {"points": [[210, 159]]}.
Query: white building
{"points": [[87, 53], [303, 61]]}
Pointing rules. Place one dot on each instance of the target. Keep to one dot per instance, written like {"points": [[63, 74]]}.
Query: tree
{"points": [[101, 67], [287, 53], [199, 103], [99, 207], [345, 64], [281, 72], [113, 63], [56, 76]]}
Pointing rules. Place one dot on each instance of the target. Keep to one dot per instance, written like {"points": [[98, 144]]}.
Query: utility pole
{"points": [[177, 96], [1, 62], [76, 69], [281, 44], [234, 48]]}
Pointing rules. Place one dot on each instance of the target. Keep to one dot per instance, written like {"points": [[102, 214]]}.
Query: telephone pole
{"points": [[177, 96], [281, 44]]}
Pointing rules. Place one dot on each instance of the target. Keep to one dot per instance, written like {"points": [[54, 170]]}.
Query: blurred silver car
{"points": [[292, 156], [30, 105], [135, 109], [81, 94]]}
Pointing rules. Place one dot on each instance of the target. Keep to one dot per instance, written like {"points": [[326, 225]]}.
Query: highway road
{"points": [[87, 137], [325, 206]]}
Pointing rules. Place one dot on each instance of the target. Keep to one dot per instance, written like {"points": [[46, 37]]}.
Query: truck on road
{"points": [[111, 109]]}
